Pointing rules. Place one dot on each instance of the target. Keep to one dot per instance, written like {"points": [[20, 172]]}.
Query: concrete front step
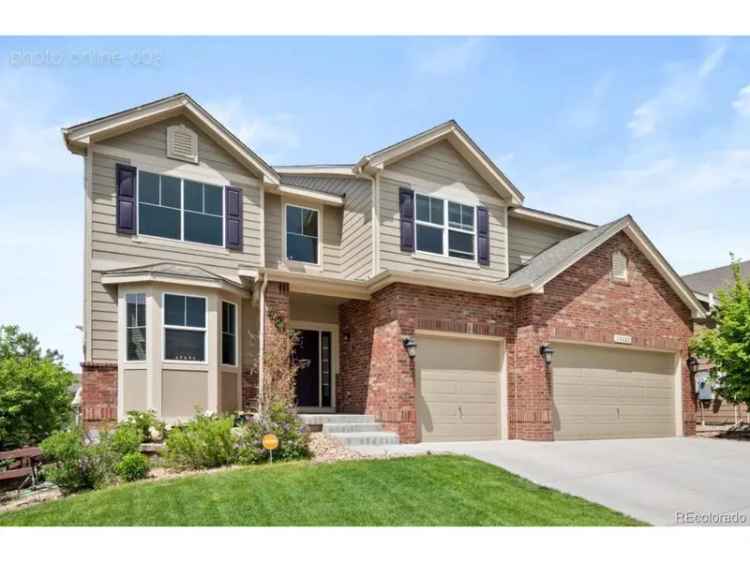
{"points": [[321, 419], [351, 427], [366, 438]]}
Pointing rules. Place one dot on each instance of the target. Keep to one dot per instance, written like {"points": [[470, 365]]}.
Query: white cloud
{"points": [[588, 113], [681, 92], [449, 59], [271, 136], [742, 103]]}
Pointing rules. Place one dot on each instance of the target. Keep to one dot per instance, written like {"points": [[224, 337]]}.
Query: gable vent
{"points": [[182, 144], [619, 266]]}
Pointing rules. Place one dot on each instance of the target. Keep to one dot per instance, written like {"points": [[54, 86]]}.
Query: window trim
{"points": [[164, 327], [139, 234], [446, 228], [127, 328], [319, 251], [236, 338]]}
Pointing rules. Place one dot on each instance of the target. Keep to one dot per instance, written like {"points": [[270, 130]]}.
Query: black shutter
{"points": [[233, 219], [406, 213], [125, 178], [483, 236]]}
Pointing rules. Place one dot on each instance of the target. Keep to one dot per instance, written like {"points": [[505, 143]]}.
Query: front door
{"points": [[313, 352]]}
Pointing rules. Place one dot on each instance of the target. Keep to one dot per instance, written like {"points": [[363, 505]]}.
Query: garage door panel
{"points": [[601, 392], [458, 388]]}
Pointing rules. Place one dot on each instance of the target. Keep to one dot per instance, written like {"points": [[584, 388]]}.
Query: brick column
{"points": [[529, 382], [98, 393]]}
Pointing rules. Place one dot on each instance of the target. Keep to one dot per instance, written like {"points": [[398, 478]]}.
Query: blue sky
{"points": [[588, 127]]}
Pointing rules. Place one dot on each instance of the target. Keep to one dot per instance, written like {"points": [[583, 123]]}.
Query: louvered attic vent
{"points": [[182, 144]]}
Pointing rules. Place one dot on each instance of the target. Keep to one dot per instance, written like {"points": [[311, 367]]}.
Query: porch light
{"points": [[411, 346], [546, 352], [692, 364]]}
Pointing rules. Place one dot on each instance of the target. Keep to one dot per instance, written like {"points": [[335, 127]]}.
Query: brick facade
{"points": [[582, 304], [98, 393]]}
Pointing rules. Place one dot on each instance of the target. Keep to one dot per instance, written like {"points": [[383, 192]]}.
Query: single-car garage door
{"points": [[458, 388], [604, 393]]}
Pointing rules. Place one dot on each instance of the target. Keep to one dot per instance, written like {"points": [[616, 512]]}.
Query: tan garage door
{"points": [[603, 393], [458, 388]]}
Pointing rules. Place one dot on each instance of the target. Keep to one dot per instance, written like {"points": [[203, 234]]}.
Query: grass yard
{"points": [[419, 491]]}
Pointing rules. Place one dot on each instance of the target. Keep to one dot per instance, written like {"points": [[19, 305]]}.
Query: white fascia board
{"points": [[302, 193], [347, 171], [545, 218], [124, 279]]}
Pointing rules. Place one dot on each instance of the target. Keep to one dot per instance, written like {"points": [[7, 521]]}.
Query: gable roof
{"points": [[462, 142], [711, 280], [78, 137], [554, 260]]}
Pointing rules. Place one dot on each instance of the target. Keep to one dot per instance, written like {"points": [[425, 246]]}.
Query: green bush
{"points": [[206, 441], [35, 400], [282, 421], [146, 423], [72, 465], [133, 466]]}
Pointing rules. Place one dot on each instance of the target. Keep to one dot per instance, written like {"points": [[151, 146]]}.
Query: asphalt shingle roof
{"points": [[711, 280]]}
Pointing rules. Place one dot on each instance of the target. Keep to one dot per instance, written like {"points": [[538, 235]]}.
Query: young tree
{"points": [[280, 367], [35, 397], [727, 345]]}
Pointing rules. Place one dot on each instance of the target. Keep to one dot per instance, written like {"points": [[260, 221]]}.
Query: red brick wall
{"points": [[98, 393], [582, 304]]}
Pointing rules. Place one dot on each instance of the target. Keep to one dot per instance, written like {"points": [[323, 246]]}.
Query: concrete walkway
{"points": [[653, 480]]}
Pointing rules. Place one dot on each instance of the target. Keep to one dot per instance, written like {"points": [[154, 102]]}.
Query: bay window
{"points": [[184, 328], [228, 333], [135, 330], [445, 227]]}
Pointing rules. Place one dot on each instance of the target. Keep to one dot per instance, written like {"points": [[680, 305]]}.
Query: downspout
{"points": [[261, 337]]}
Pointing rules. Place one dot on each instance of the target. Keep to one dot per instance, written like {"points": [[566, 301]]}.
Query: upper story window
{"points": [[619, 266], [180, 209], [184, 327], [445, 227], [228, 333], [135, 330], [302, 234]]}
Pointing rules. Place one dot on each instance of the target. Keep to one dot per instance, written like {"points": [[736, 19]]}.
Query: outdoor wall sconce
{"points": [[692, 365], [411, 346], [546, 352]]}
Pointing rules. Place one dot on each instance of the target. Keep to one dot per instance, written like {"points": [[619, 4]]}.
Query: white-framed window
{"points": [[184, 327], [135, 326], [228, 333], [446, 228], [180, 209], [302, 234], [619, 266]]}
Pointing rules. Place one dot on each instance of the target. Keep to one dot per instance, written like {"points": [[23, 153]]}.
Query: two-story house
{"points": [[424, 293]]}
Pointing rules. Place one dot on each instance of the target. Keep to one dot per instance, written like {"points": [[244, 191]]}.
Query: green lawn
{"points": [[427, 490]]}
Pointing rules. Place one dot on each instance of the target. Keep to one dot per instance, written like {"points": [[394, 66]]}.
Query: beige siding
{"points": [[440, 171], [134, 385], [230, 401], [314, 308], [528, 238], [249, 335], [146, 148], [183, 392]]}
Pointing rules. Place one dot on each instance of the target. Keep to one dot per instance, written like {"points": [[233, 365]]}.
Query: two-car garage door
{"points": [[598, 392], [603, 392]]}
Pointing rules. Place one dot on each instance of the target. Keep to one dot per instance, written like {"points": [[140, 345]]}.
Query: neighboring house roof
{"points": [[711, 280], [169, 273], [78, 137], [553, 261], [462, 142]]}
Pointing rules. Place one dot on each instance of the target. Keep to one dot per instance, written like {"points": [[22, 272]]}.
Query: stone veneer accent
{"points": [[582, 304]]}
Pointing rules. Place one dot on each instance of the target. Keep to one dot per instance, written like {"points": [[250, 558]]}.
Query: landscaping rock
{"points": [[329, 449]]}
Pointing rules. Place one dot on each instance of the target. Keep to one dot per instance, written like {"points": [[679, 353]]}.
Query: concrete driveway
{"points": [[653, 480]]}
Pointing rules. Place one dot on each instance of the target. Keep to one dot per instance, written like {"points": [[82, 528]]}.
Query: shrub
{"points": [[147, 424], [282, 421], [206, 441], [73, 466], [133, 466], [35, 399]]}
